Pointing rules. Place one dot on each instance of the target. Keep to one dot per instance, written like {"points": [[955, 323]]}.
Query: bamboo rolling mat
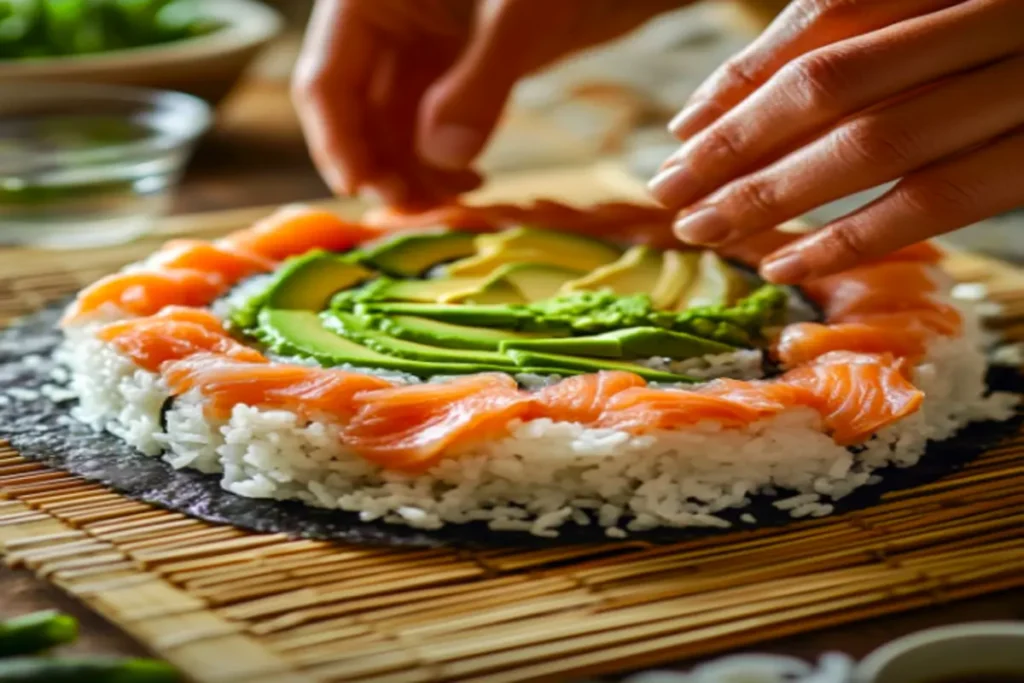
{"points": [[226, 605]]}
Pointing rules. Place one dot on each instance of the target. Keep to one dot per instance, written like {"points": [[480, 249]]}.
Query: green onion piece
{"points": [[36, 632], [85, 670]]}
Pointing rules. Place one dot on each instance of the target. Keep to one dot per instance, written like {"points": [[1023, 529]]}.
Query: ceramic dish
{"points": [[964, 652], [207, 66]]}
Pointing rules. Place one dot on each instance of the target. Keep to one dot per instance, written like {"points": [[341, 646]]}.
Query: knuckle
{"points": [[816, 10], [875, 142], [941, 195], [757, 197], [817, 79], [738, 74], [724, 142], [847, 245]]}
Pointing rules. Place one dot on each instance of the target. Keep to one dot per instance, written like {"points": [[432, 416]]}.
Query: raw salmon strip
{"points": [[581, 398], [857, 394], [294, 230], [766, 397], [938, 317], [151, 342], [411, 427], [874, 288], [925, 252], [455, 216], [145, 292], [801, 343], [309, 391], [232, 264], [200, 316], [639, 410]]}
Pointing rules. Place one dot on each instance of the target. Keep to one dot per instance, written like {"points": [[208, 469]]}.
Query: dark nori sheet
{"points": [[39, 428]]}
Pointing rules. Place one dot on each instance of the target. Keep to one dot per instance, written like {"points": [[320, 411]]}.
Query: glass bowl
{"points": [[90, 165]]}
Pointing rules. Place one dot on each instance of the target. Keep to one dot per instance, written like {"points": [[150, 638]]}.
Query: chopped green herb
{"points": [[52, 28]]}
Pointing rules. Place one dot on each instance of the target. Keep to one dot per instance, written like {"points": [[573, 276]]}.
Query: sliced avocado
{"points": [[717, 284], [484, 316], [527, 358], [648, 342], [441, 290], [414, 254], [309, 281], [535, 281], [357, 329], [447, 335], [593, 346], [302, 333], [635, 272], [494, 292], [678, 268], [527, 245], [632, 342]]}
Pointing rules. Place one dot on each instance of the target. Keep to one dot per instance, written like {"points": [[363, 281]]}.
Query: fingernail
{"points": [[337, 181], [693, 119], [705, 226], [787, 269], [672, 160], [452, 146], [672, 187]]}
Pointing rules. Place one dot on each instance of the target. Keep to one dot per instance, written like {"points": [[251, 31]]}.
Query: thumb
{"points": [[460, 111]]}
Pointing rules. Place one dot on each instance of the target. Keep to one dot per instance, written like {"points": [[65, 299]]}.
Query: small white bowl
{"points": [[946, 653], [207, 66]]}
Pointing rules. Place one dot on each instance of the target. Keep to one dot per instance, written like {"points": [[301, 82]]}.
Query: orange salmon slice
{"points": [[801, 343], [294, 230], [200, 316], [411, 427], [857, 394], [582, 398], [874, 288], [151, 342], [308, 391], [640, 410], [146, 292], [231, 264], [936, 317]]}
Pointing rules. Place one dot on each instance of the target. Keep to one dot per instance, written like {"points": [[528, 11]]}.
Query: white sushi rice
{"points": [[544, 474]]}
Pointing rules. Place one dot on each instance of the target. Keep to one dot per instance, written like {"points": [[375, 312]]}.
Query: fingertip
{"points": [[337, 180], [788, 268], [450, 146], [673, 187], [388, 189]]}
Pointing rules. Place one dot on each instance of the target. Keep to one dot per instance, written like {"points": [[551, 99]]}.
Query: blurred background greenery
{"points": [[51, 28]]}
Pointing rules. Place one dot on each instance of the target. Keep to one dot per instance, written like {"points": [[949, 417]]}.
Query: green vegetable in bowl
{"points": [[52, 28]]}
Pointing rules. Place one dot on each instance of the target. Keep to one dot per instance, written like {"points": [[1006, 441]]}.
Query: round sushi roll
{"points": [[458, 366]]}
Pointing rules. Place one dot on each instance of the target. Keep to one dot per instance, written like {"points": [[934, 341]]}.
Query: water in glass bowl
{"points": [[72, 181]]}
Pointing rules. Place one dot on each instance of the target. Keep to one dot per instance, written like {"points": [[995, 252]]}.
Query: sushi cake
{"points": [[527, 367]]}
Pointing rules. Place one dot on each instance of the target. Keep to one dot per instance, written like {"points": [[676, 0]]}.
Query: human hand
{"points": [[399, 97], [839, 96]]}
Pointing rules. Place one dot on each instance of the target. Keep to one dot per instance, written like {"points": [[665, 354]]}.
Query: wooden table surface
{"points": [[256, 156]]}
